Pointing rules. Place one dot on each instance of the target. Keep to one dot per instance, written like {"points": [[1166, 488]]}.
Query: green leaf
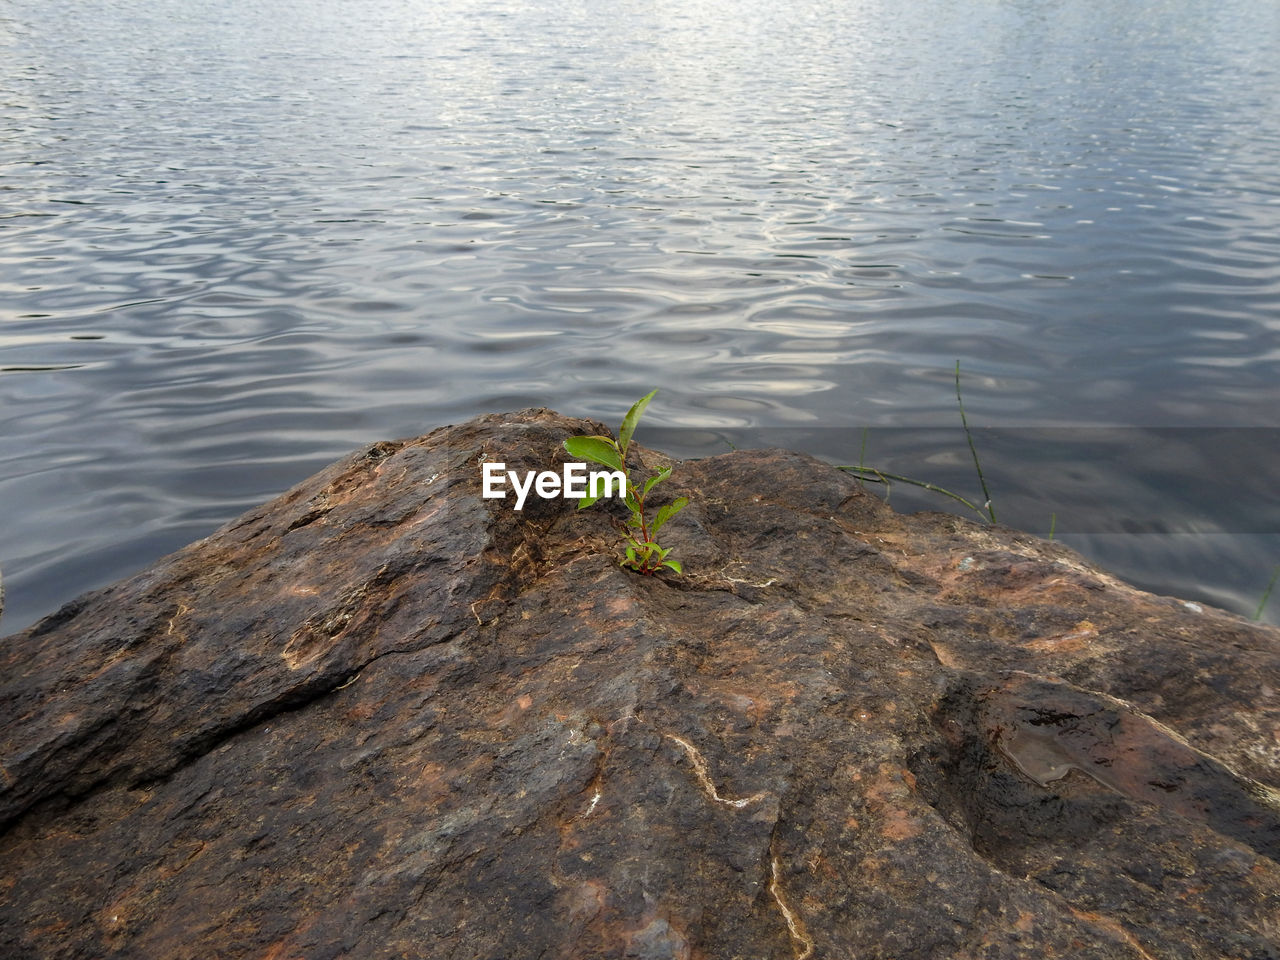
{"points": [[655, 480], [631, 554], [599, 450], [666, 513], [674, 565], [586, 502], [630, 420]]}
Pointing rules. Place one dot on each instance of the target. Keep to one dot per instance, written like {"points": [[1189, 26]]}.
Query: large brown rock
{"points": [[383, 717]]}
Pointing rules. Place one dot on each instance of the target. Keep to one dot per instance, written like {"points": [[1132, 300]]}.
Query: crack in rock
{"points": [[794, 925], [704, 777]]}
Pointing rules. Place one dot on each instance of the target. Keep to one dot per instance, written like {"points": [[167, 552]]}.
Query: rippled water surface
{"points": [[239, 239]]}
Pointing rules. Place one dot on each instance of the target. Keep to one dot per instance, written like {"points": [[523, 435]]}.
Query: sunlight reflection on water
{"points": [[239, 241]]}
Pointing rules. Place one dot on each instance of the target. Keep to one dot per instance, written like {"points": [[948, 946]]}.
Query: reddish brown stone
{"points": [[382, 717]]}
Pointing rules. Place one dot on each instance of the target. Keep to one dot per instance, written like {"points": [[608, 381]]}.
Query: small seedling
{"points": [[643, 553]]}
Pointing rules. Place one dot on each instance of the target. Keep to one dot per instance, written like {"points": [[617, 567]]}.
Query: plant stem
{"points": [[862, 454], [964, 421], [645, 540], [1266, 594], [879, 476], [644, 524]]}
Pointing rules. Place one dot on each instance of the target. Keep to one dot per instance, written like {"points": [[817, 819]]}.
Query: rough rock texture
{"points": [[382, 717]]}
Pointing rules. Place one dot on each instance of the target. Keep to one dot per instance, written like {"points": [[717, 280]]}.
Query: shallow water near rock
{"points": [[240, 240]]}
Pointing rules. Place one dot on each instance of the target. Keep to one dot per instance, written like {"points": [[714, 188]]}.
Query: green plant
{"points": [[1266, 594], [643, 553], [864, 473], [964, 421]]}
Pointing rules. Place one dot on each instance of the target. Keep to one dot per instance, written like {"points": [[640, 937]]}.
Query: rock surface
{"points": [[383, 717]]}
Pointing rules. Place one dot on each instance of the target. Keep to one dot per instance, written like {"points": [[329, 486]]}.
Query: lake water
{"points": [[238, 240]]}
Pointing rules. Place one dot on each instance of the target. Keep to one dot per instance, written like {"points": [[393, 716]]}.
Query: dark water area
{"points": [[239, 240]]}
